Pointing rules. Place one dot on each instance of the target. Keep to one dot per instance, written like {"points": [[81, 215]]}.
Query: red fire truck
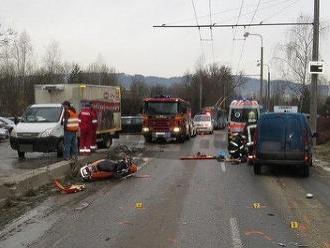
{"points": [[167, 118]]}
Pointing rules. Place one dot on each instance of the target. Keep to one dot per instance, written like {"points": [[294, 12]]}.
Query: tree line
{"points": [[19, 72]]}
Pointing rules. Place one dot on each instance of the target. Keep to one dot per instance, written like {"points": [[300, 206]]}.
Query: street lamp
{"points": [[268, 87], [247, 34]]}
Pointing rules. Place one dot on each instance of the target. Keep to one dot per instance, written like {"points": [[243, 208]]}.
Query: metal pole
{"points": [[313, 102], [268, 91], [200, 93], [261, 73]]}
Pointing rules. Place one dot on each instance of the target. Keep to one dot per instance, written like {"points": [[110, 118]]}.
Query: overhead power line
{"points": [[196, 18], [244, 43], [244, 25], [267, 5]]}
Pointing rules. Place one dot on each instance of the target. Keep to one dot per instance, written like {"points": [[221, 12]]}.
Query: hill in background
{"points": [[248, 89]]}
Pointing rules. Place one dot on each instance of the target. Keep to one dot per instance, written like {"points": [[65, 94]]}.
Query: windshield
{"points": [[202, 118], [243, 115], [42, 114], [161, 108]]}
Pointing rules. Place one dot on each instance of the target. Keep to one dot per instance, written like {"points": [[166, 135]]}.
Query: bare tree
{"points": [[22, 55], [52, 58], [6, 35], [293, 58]]}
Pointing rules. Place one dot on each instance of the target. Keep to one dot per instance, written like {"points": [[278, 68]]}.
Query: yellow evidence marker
{"points": [[294, 224], [256, 205], [138, 205]]}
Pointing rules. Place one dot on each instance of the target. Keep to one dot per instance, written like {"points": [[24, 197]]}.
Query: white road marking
{"points": [[237, 243], [223, 166]]}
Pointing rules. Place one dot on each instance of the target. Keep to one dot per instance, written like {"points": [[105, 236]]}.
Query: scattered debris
{"points": [[173, 241], [122, 151], [82, 206], [9, 184], [256, 232], [68, 189], [309, 195], [281, 244], [141, 176], [125, 222], [199, 156], [30, 193]]}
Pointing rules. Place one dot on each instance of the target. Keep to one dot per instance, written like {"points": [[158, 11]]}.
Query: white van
{"points": [[40, 130]]}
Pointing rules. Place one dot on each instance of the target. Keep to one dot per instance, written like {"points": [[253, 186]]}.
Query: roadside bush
{"points": [[323, 130]]}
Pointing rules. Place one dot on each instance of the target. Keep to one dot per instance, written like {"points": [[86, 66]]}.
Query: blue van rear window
{"points": [[272, 129]]}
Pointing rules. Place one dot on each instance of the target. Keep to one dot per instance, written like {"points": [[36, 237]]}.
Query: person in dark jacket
{"points": [[71, 125]]}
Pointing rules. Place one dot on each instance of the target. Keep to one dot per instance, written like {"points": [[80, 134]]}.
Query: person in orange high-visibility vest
{"points": [[71, 125], [86, 129], [94, 129]]}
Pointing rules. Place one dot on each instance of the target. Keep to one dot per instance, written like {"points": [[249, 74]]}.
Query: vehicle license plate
{"points": [[160, 134], [26, 148]]}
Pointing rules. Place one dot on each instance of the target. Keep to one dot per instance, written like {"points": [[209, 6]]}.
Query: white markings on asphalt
{"points": [[237, 243], [223, 166]]}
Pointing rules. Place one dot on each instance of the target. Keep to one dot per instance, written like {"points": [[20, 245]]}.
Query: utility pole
{"points": [[268, 90], [200, 93], [261, 71], [316, 37]]}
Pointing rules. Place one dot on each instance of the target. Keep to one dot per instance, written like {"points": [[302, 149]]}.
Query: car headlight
{"points": [[145, 129], [46, 133], [176, 129], [13, 133]]}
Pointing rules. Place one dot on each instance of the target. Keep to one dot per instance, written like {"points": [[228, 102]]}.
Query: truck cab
{"points": [[167, 118]]}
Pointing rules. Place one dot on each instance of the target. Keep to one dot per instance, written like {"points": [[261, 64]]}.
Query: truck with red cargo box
{"points": [[41, 130]]}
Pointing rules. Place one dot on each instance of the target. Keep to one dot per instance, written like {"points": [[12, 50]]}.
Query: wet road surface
{"points": [[184, 204], [10, 164]]}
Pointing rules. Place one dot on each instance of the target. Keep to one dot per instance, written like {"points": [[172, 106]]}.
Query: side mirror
{"points": [[315, 135]]}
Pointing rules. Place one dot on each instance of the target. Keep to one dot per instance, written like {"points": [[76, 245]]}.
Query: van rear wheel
{"points": [[305, 170]]}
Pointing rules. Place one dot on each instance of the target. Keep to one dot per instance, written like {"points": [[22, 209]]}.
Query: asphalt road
{"points": [[184, 204], [10, 164]]}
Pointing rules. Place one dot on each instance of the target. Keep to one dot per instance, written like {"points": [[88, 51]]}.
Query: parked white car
{"points": [[4, 134], [9, 124], [203, 124]]}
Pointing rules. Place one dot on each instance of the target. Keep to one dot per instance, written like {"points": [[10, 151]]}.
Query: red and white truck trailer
{"points": [[40, 129]]}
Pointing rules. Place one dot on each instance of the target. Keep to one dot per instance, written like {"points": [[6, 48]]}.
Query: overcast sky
{"points": [[121, 31]]}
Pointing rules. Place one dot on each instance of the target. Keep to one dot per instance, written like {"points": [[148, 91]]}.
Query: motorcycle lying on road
{"points": [[106, 168]]}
